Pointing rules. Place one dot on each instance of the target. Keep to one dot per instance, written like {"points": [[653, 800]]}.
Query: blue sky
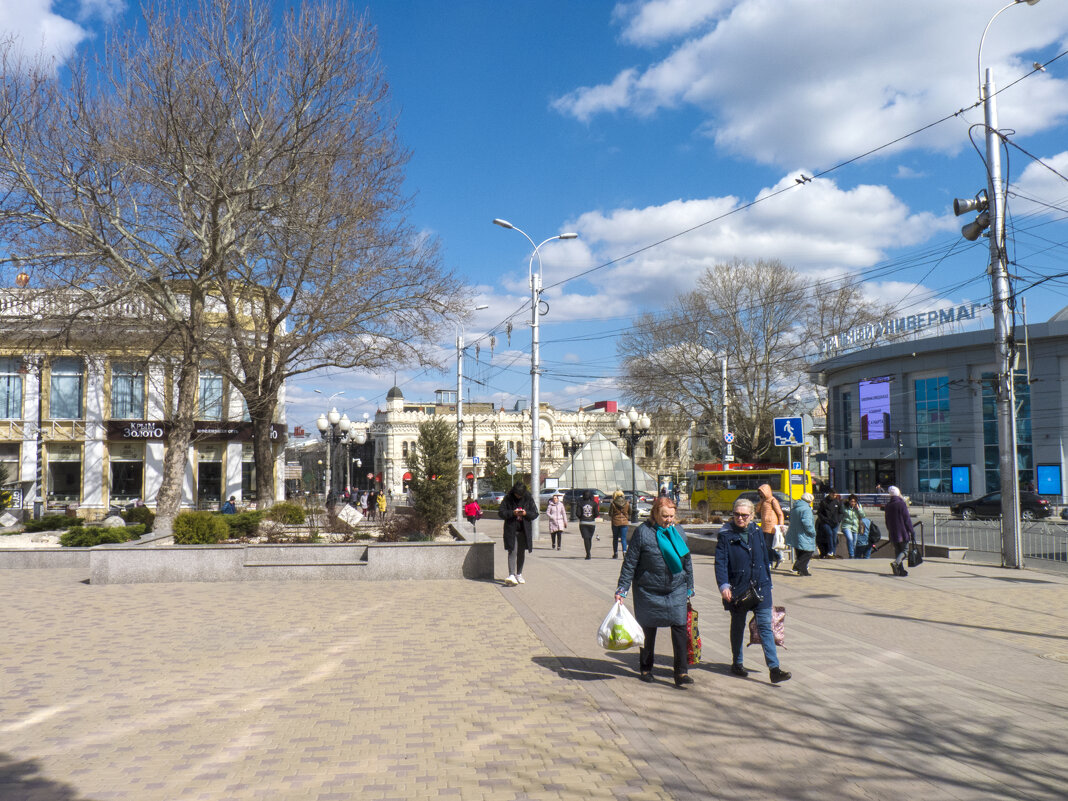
{"points": [[631, 123]]}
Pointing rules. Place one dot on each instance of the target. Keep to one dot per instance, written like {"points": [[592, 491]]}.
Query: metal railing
{"points": [[1042, 540]]}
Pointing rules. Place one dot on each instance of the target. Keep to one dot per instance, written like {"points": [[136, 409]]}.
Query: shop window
{"points": [[65, 393], [9, 460], [10, 389], [211, 396], [64, 473], [127, 472], [248, 473], [127, 392]]}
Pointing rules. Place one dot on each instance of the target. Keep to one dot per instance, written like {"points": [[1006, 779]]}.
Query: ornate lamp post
{"points": [[333, 427], [573, 440], [633, 426]]}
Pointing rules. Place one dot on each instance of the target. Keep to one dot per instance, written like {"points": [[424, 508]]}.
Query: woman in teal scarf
{"points": [[657, 564]]}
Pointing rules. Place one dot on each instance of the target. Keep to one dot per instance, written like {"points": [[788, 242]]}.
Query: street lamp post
{"points": [[991, 210], [460, 416], [332, 427], [633, 426], [535, 366], [728, 448], [573, 440]]}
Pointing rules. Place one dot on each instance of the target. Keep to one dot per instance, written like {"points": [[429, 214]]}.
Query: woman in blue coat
{"points": [[801, 535], [742, 560], [657, 564]]}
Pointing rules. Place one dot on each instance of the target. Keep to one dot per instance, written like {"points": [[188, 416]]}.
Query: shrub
{"points": [[289, 513], [52, 523], [88, 536], [199, 528], [243, 524], [140, 514]]}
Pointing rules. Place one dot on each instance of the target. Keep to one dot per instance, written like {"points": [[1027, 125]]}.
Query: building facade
{"points": [[664, 452], [86, 426], [922, 414]]}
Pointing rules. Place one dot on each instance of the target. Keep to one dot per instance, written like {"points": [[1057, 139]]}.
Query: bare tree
{"points": [[243, 178], [761, 316]]}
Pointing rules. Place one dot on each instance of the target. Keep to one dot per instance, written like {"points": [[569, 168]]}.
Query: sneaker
{"points": [[519, 578], [511, 581], [738, 670], [778, 674], [894, 568], [683, 680], [902, 570], [646, 677]]}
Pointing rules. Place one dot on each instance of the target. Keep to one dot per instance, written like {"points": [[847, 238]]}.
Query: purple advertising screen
{"points": [[875, 408]]}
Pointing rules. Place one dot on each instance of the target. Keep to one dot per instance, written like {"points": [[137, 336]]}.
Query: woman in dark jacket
{"points": [[517, 510], [898, 529], [657, 564], [828, 519], [741, 559], [586, 510]]}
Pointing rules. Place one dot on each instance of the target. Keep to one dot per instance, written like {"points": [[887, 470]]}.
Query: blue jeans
{"points": [[828, 543], [767, 637], [850, 538], [619, 536]]}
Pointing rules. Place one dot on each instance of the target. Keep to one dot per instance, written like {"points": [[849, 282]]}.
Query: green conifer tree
{"points": [[433, 466]]}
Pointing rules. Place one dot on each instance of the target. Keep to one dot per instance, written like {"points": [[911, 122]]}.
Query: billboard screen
{"points": [[875, 408]]}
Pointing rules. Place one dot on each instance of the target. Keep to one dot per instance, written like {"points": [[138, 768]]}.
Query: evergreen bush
{"points": [[285, 512], [140, 514], [243, 524], [88, 536], [199, 528], [52, 523]]}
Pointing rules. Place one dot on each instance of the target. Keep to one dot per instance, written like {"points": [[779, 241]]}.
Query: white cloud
{"points": [[809, 81], [39, 31], [106, 10], [658, 20], [1038, 182]]}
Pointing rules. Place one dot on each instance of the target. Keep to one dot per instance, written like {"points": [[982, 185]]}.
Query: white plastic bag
{"points": [[619, 630], [778, 543]]}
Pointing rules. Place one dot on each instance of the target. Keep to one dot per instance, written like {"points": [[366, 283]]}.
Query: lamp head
{"points": [[321, 422], [503, 223], [632, 415], [570, 235], [344, 423], [644, 422], [333, 416], [361, 437], [623, 423]]}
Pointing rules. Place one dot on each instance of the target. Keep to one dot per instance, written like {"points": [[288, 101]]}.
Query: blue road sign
{"points": [[795, 466], [788, 431]]}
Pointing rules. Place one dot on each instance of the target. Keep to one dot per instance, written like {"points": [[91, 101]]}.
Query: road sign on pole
{"points": [[788, 431]]}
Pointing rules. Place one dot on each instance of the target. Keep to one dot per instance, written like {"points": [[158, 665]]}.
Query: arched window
{"points": [[404, 449]]}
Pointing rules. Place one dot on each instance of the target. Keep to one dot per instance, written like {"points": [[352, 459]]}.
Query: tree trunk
{"points": [[169, 499], [263, 452]]}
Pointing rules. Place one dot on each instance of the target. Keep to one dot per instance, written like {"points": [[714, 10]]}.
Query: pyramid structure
{"points": [[600, 464]]}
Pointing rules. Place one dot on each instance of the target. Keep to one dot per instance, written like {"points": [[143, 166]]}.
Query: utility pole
{"points": [[728, 449]]}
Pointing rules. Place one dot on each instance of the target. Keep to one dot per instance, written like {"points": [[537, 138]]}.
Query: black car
{"points": [[781, 497], [1032, 507]]}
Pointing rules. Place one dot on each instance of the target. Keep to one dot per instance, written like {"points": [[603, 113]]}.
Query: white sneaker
{"points": [[519, 578], [511, 581]]}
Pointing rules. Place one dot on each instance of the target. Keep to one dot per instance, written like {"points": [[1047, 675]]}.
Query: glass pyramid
{"points": [[601, 465]]}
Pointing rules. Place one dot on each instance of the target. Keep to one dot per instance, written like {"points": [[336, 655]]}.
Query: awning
{"points": [[407, 477], [470, 475]]}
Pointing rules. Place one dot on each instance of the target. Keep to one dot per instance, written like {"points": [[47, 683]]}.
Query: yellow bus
{"points": [[717, 490]]}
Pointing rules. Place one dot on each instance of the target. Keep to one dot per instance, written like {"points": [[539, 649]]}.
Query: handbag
{"points": [[778, 627], [746, 601], [693, 641], [915, 555], [778, 542]]}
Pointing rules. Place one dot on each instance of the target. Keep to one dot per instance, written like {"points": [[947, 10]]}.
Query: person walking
{"points": [[372, 505], [230, 507], [769, 515], [620, 511], [517, 510], [382, 506], [557, 514], [801, 535], [853, 524], [586, 510], [828, 519], [898, 529], [658, 566], [863, 546], [472, 511], [742, 562]]}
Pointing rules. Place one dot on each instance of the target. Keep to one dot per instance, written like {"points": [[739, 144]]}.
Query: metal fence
{"points": [[1042, 540]]}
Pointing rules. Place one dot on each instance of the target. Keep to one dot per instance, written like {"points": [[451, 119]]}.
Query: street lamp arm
{"points": [[979, 56]]}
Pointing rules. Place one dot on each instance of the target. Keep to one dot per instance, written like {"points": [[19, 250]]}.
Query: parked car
{"points": [[490, 497], [781, 497], [1032, 507], [1064, 513]]}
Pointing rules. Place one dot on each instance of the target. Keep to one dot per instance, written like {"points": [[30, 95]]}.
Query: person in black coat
{"points": [[828, 519], [517, 510], [657, 564], [741, 560], [586, 510]]}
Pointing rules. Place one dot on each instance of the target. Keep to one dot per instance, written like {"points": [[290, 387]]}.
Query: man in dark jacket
{"points": [[898, 529], [742, 561], [517, 510], [828, 519]]}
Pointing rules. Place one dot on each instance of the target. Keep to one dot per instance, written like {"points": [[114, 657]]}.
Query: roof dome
{"points": [[395, 394]]}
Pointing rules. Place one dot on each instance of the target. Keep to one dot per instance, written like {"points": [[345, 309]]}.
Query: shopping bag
{"points": [[619, 630], [778, 543], [693, 642], [778, 627]]}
